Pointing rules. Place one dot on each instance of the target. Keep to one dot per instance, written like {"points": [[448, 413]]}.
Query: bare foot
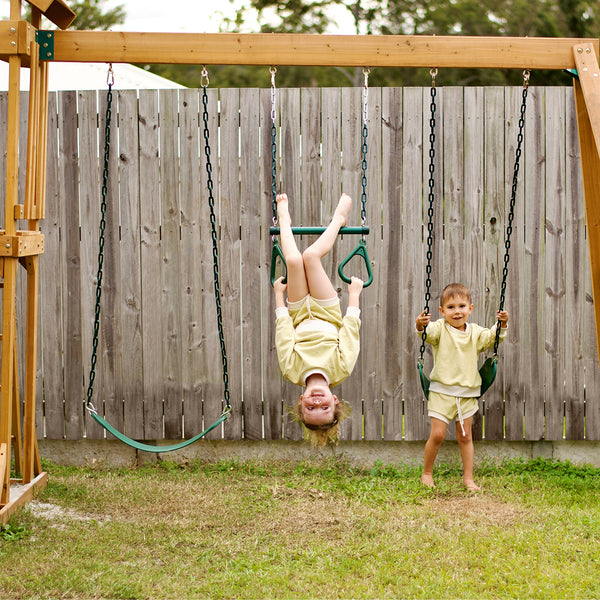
{"points": [[342, 211], [472, 486], [427, 480], [283, 213]]}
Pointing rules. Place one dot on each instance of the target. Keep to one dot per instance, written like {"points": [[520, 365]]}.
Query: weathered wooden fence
{"points": [[159, 373]]}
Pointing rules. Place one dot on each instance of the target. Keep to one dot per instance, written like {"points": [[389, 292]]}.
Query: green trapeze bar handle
{"points": [[275, 254], [148, 447], [360, 250], [362, 230]]}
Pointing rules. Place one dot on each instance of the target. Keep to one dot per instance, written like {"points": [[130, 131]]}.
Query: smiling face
{"points": [[317, 405], [456, 310]]}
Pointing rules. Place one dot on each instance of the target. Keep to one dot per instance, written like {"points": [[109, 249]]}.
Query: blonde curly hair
{"points": [[325, 433]]}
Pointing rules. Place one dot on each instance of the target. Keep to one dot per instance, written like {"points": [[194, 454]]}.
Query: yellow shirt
{"points": [[317, 346], [455, 356]]}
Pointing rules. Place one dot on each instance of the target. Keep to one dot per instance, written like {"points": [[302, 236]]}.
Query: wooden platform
{"points": [[21, 494]]}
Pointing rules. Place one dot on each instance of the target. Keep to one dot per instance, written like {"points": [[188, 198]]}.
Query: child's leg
{"points": [[319, 283], [297, 286], [437, 436], [465, 443]]}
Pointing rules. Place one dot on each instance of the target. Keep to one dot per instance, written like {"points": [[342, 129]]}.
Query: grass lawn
{"points": [[309, 530]]}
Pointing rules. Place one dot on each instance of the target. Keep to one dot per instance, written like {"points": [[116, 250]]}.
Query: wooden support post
{"points": [[33, 123], [29, 434], [3, 464], [17, 438], [7, 372], [587, 102]]}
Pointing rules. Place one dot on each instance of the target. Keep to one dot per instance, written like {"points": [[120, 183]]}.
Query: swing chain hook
{"points": [[526, 75], [273, 71], [110, 76], [204, 80], [433, 72]]}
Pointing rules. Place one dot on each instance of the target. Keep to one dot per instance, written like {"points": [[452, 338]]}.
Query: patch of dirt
{"points": [[59, 515], [478, 509]]}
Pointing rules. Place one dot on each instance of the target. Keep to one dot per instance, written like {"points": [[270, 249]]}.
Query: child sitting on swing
{"points": [[316, 347], [455, 380]]}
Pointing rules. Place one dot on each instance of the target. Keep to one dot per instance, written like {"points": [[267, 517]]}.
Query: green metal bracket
{"points": [[572, 72], [45, 40]]}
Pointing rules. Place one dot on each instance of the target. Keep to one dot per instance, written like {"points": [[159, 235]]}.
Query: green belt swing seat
{"points": [[90, 389]]}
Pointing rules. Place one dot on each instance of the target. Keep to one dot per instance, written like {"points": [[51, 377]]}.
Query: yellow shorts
{"points": [[311, 308], [446, 408]]}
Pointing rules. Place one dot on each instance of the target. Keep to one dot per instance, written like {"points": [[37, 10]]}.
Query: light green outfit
{"points": [[312, 337]]}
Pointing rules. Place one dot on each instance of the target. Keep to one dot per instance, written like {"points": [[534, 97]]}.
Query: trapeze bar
{"points": [[362, 230], [317, 50]]}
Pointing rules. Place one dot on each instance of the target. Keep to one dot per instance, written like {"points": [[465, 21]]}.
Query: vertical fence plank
{"points": [[73, 427], [289, 148], [110, 322], [170, 275], [190, 291], [89, 199], [351, 390], [554, 265], [230, 249], [252, 344], [406, 295], [494, 225], [272, 380], [452, 262], [575, 265], [130, 265], [372, 296], [531, 293], [396, 284], [151, 287], [521, 298], [52, 267], [211, 369], [473, 189]]}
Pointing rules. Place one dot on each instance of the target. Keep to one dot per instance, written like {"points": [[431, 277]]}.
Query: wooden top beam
{"points": [[317, 50]]}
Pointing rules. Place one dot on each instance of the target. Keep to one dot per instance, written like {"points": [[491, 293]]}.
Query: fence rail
{"points": [[158, 374]]}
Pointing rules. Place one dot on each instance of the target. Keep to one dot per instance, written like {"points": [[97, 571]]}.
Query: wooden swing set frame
{"points": [[23, 44]]}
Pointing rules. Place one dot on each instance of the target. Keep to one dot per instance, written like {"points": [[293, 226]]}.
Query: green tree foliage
{"points": [[90, 15]]}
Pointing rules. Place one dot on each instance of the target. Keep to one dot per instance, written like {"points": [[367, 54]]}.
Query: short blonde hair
{"points": [[455, 289]]}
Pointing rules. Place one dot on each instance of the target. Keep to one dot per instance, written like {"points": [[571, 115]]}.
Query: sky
{"points": [[172, 16]]}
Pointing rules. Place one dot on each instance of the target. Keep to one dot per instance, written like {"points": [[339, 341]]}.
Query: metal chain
{"points": [[513, 198], [215, 248], [101, 241], [273, 71], [431, 198], [364, 148]]}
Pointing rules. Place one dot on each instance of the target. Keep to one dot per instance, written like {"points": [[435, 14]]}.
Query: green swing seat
{"points": [[488, 372]]}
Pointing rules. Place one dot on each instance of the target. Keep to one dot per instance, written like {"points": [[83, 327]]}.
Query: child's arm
{"points": [[279, 287], [503, 318], [423, 320], [355, 287]]}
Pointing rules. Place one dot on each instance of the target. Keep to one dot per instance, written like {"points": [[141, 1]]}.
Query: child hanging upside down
{"points": [[316, 347], [455, 380]]}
